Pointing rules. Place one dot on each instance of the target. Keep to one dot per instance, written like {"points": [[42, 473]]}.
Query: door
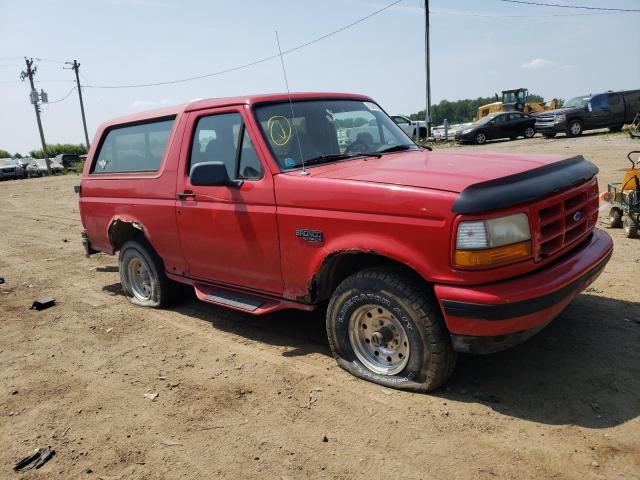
{"points": [[599, 115], [517, 124], [228, 234], [499, 127], [616, 107]]}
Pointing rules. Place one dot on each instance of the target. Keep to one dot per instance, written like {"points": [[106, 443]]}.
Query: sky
{"points": [[478, 48]]}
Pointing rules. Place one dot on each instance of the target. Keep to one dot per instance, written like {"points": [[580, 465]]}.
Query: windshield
{"points": [[579, 102], [328, 130], [487, 118]]}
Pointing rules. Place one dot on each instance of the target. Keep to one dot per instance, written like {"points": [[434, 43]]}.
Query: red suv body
{"points": [[214, 194]]}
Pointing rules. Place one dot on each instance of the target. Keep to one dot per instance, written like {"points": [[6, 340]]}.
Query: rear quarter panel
{"points": [[148, 199]]}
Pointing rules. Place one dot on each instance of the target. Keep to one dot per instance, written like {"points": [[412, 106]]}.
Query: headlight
{"points": [[467, 130], [561, 117], [482, 243]]}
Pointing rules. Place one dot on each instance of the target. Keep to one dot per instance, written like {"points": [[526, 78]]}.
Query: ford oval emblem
{"points": [[577, 216]]}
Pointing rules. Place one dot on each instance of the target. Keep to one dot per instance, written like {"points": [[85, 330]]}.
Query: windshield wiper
{"points": [[327, 158], [396, 148], [338, 156]]}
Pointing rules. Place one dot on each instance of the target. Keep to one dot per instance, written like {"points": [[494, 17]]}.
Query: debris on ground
{"points": [[43, 303], [151, 396], [35, 460]]}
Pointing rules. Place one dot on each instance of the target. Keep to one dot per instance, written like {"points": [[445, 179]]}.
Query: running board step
{"points": [[234, 301], [244, 301]]}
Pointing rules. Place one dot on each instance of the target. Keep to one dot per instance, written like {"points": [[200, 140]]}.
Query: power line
{"points": [[256, 62], [63, 98], [582, 7], [95, 92], [490, 15]]}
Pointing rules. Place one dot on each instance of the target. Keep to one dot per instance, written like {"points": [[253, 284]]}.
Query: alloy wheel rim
{"points": [[575, 128], [139, 279], [378, 339], [481, 138], [529, 132]]}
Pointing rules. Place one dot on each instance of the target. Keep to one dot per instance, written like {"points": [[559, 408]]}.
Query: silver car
{"points": [[38, 167], [11, 168]]}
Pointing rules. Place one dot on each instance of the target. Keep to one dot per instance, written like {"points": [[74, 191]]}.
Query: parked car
{"points": [[410, 127], [38, 167], [498, 125], [605, 110], [418, 254], [11, 168], [67, 159]]}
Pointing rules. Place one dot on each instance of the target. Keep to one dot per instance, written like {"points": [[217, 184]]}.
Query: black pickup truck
{"points": [[603, 110]]}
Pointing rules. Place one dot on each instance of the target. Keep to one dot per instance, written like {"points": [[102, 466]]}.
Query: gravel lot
{"points": [[246, 397]]}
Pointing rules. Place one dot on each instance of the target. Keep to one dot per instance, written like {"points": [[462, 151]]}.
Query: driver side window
{"points": [[223, 138]]}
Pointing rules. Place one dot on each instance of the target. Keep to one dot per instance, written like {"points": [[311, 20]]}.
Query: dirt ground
{"points": [[246, 397]]}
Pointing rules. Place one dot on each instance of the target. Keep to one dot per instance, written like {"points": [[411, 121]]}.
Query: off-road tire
{"points": [[615, 217], [574, 129], [431, 358], [630, 228], [162, 290]]}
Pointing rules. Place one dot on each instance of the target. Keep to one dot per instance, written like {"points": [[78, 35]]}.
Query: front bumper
{"points": [[550, 127], [488, 318], [465, 137]]}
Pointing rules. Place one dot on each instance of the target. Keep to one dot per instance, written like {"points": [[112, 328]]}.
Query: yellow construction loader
{"points": [[515, 99]]}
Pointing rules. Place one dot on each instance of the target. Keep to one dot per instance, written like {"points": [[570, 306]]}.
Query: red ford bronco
{"points": [[269, 202]]}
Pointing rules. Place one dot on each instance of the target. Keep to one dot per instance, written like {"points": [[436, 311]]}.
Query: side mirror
{"points": [[211, 174]]}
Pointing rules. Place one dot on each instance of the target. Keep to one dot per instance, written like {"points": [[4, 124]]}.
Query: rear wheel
{"points": [[630, 228], [529, 132], [615, 217], [142, 275], [481, 138], [383, 327], [574, 129]]}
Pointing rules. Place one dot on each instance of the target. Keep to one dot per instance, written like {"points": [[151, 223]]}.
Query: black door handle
{"points": [[185, 195]]}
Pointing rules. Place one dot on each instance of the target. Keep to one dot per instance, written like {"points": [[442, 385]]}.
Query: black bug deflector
{"points": [[523, 187]]}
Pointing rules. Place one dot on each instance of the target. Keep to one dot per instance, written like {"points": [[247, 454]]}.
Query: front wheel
{"points": [[630, 228], [529, 132], [481, 138], [574, 129], [615, 217], [383, 327]]}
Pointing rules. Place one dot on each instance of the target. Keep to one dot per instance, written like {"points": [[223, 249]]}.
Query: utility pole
{"points": [[427, 59], [34, 96], [75, 66]]}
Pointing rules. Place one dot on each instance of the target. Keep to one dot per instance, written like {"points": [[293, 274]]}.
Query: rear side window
{"points": [[599, 103], [135, 148]]}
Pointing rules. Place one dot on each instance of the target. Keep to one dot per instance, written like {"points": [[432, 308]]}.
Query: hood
{"points": [[559, 111], [449, 171]]}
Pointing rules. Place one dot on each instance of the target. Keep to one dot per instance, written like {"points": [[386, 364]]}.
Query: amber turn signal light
{"points": [[492, 256]]}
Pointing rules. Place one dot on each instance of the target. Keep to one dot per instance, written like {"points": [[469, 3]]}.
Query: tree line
{"points": [[461, 111], [53, 148]]}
